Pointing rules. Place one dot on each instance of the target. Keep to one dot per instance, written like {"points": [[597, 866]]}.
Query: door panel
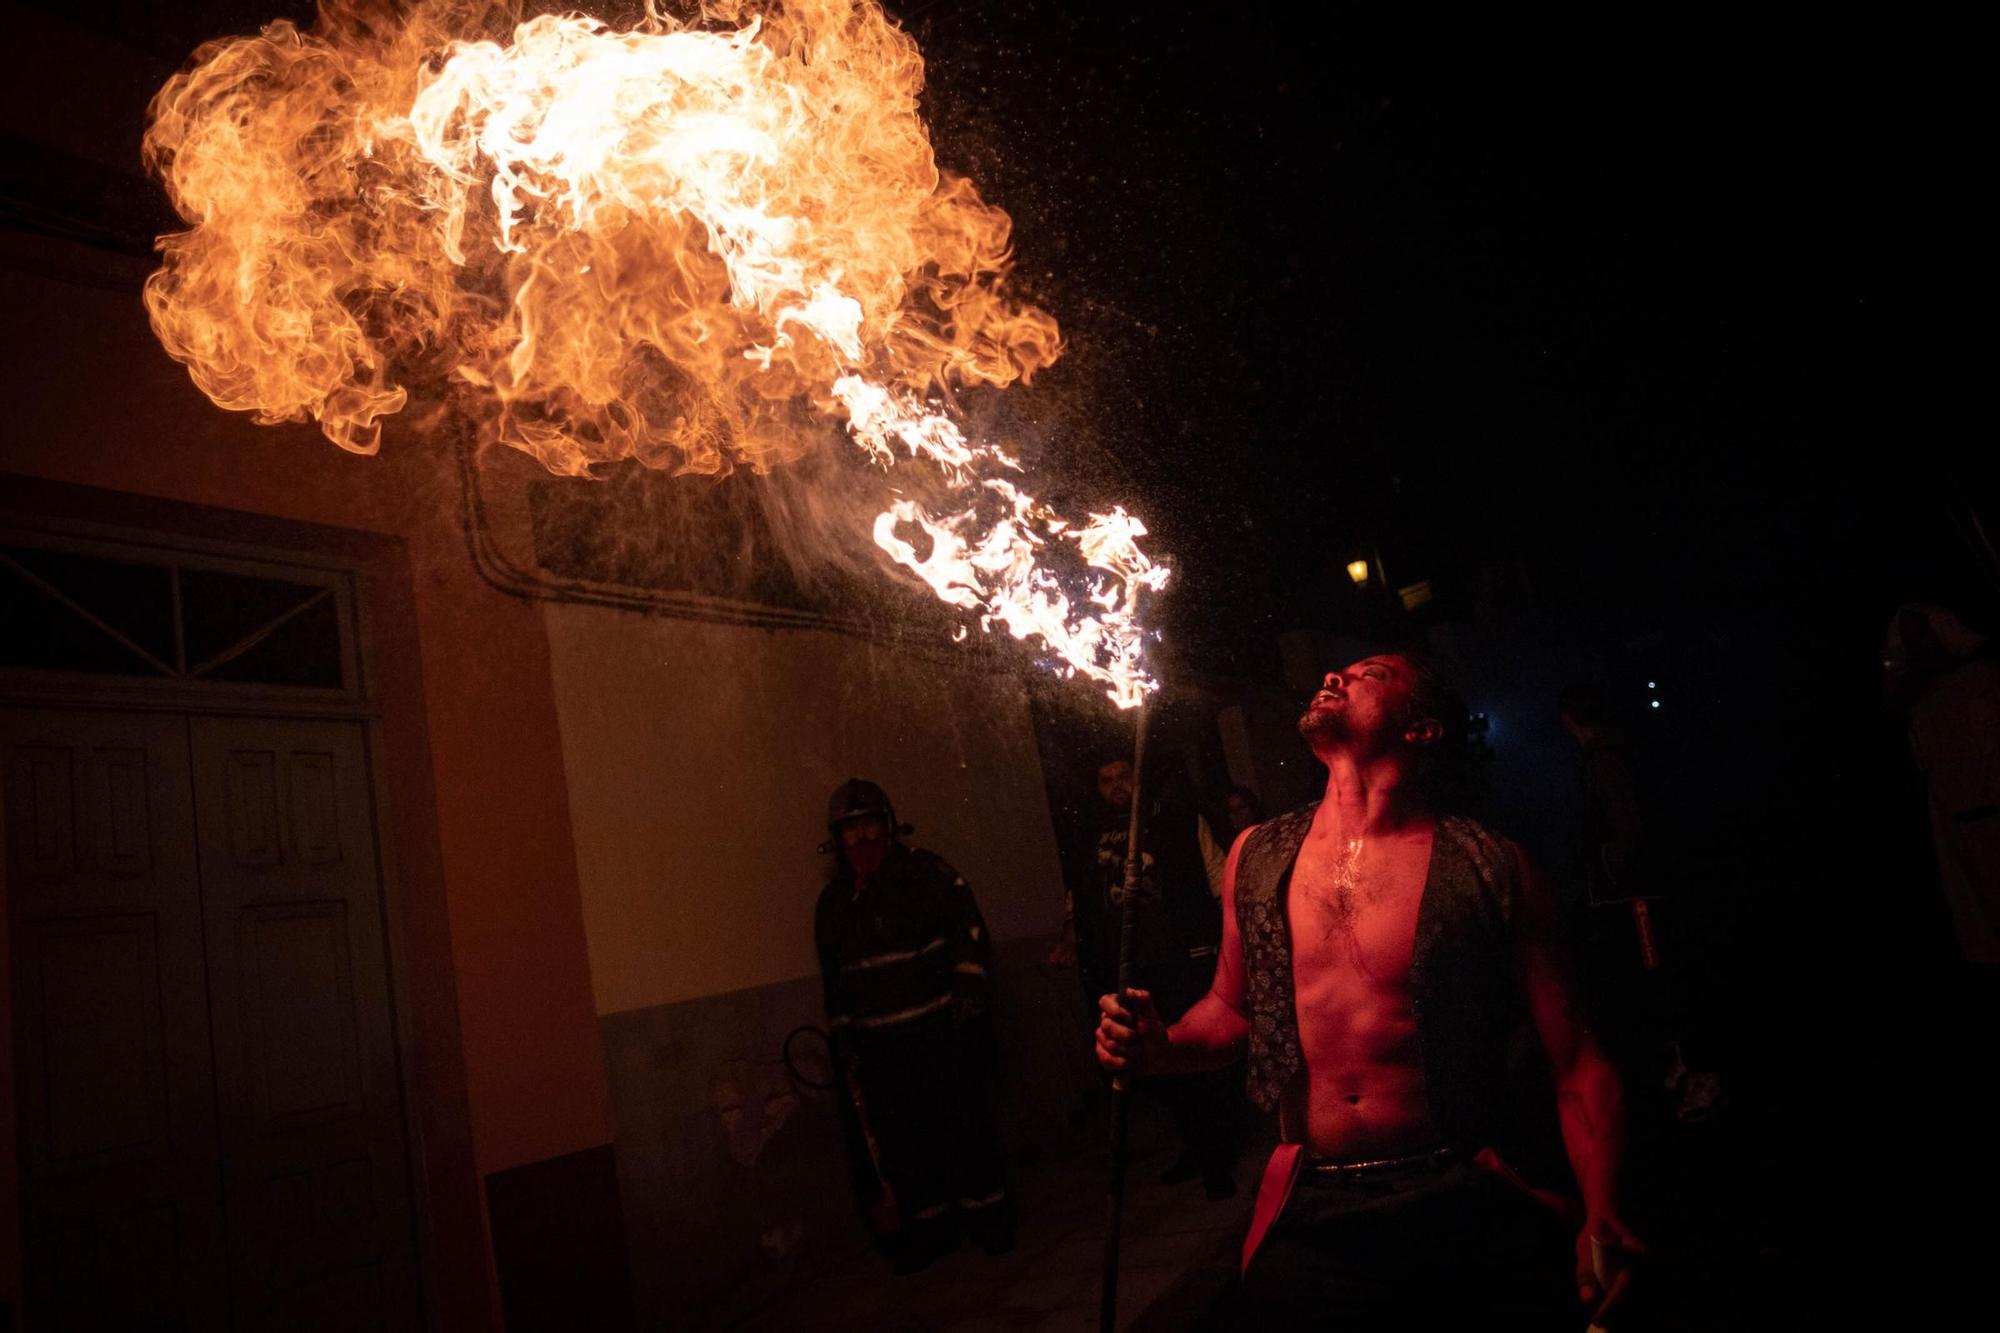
{"points": [[104, 1084], [122, 1219], [310, 1114]]}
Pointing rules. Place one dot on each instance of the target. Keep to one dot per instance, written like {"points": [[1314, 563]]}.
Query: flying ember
{"points": [[692, 244]]}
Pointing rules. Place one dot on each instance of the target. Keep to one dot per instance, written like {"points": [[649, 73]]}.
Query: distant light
{"points": [[1651, 686], [1358, 571], [1656, 703]]}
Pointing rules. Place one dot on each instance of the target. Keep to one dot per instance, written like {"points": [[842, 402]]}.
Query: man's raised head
{"points": [[1386, 704]]}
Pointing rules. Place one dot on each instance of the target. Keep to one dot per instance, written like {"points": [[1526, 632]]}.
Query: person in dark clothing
{"points": [[1649, 1019], [1244, 809], [1177, 928], [904, 959], [1240, 809], [1614, 829], [1946, 680], [1618, 945]]}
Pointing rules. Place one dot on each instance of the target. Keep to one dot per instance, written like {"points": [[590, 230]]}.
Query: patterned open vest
{"points": [[1484, 1074]]}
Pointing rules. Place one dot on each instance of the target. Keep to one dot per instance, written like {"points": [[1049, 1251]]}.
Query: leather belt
{"points": [[1323, 1169]]}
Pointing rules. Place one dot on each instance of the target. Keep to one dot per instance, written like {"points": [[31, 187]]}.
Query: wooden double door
{"points": [[210, 1114]]}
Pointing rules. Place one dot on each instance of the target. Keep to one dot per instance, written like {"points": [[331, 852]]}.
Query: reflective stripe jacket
{"points": [[901, 950]]}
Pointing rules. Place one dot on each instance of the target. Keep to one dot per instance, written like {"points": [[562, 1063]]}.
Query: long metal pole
{"points": [[1107, 1308]]}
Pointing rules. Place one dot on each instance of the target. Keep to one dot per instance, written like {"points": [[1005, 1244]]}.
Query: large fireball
{"points": [[694, 243]]}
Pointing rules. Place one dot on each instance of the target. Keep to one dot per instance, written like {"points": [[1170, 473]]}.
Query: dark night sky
{"points": [[1610, 332], [1616, 316], [1601, 309], [1585, 314]]}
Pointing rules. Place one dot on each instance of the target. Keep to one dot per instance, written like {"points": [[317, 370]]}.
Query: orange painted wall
{"points": [[10, 1183], [91, 400]]}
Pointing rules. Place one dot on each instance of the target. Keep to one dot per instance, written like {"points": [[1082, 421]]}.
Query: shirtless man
{"points": [[1377, 960]]}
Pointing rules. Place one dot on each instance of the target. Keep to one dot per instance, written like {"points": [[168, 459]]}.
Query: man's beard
{"points": [[1317, 722]]}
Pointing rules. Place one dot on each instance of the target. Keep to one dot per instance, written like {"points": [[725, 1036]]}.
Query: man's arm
{"points": [[1589, 1097], [1211, 1035], [964, 931], [833, 989]]}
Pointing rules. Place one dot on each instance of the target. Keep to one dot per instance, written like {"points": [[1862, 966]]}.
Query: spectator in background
{"points": [[1177, 929], [1240, 811], [1625, 962], [1947, 681], [1613, 825], [904, 958]]}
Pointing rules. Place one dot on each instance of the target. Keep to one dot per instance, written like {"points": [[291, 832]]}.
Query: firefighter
{"points": [[904, 959]]}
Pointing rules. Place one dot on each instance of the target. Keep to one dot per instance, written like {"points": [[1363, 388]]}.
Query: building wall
{"points": [[10, 1182], [732, 1168], [699, 758], [602, 825], [504, 1057], [501, 1052]]}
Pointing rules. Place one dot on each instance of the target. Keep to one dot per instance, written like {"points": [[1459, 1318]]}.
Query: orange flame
{"points": [[685, 244]]}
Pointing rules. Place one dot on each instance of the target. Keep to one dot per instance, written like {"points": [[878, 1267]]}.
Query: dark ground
{"points": [[1729, 1257], [1175, 1260]]}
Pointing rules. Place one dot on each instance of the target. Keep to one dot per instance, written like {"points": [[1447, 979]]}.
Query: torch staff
{"points": [[1107, 1310]]}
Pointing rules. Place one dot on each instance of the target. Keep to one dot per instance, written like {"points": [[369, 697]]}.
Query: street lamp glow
{"points": [[1358, 571]]}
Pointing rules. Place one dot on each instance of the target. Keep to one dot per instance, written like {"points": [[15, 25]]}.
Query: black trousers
{"points": [[1420, 1248], [928, 1092]]}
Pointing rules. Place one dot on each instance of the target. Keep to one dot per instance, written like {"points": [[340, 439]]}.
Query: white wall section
{"points": [[699, 758]]}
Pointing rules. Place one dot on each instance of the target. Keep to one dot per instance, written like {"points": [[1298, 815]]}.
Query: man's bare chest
{"points": [[1353, 910]]}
